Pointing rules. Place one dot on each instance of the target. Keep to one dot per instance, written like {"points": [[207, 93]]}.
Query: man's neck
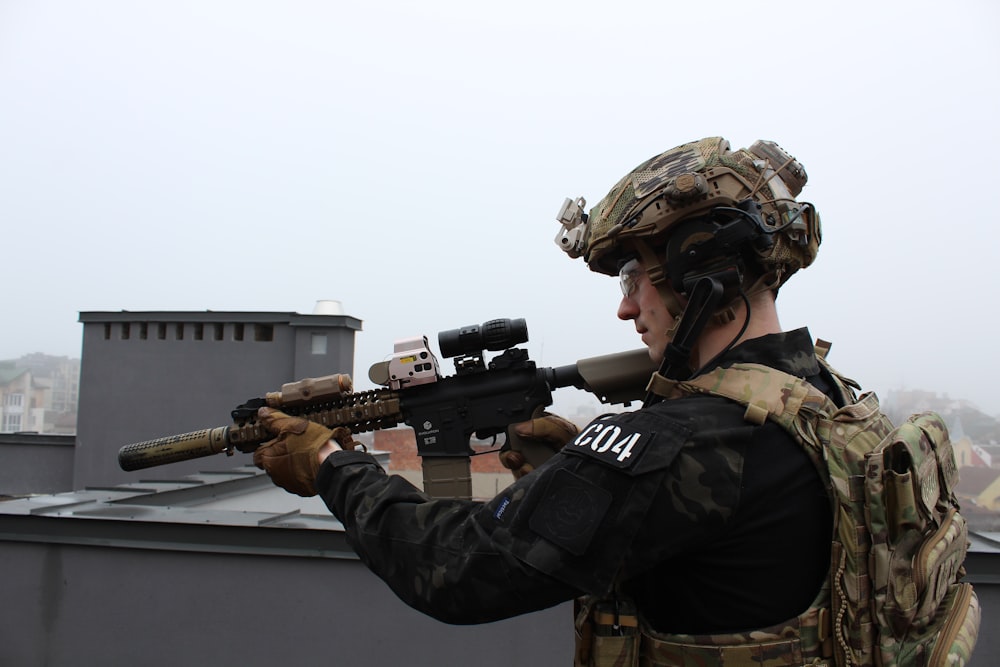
{"points": [[717, 337]]}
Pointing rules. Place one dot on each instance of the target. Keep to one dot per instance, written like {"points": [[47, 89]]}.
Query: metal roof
{"points": [[209, 511]]}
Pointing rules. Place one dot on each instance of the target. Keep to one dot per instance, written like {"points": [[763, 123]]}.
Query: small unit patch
{"points": [[498, 514], [570, 511], [616, 444]]}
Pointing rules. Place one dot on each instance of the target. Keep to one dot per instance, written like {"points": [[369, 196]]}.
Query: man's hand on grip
{"points": [[292, 459], [540, 438]]}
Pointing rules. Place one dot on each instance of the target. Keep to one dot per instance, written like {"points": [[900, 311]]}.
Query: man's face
{"points": [[641, 303]]}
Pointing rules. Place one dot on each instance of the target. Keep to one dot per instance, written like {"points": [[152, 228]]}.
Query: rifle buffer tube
{"points": [[613, 378]]}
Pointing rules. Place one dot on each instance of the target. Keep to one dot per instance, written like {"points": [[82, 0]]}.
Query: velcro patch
{"points": [[613, 443], [659, 170], [570, 511]]}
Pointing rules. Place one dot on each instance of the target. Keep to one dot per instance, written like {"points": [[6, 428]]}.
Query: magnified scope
{"points": [[493, 335]]}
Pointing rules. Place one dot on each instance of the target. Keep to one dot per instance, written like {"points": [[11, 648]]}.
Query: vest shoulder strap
{"points": [[765, 391]]}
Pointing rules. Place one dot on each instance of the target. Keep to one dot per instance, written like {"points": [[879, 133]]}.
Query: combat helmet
{"points": [[709, 226], [699, 181]]}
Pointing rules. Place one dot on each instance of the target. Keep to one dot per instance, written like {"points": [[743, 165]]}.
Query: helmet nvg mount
{"points": [[703, 180]]}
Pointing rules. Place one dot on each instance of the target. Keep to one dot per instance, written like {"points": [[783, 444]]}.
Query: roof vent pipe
{"points": [[328, 307]]}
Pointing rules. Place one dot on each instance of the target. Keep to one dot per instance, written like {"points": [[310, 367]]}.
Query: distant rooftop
{"points": [[212, 316]]}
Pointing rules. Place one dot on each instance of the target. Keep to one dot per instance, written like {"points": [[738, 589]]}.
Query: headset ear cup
{"points": [[693, 252], [725, 244]]}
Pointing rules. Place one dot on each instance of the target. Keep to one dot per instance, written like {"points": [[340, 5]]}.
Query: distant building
{"points": [[962, 417], [64, 375], [989, 454], [147, 375], [980, 486], [39, 393], [968, 454], [22, 399]]}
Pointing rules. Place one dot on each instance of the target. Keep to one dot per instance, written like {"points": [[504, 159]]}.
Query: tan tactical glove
{"points": [[532, 443], [290, 459]]}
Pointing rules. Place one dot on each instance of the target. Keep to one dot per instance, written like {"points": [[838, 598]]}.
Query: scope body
{"points": [[494, 335]]}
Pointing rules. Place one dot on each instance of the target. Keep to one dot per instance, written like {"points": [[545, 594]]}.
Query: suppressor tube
{"points": [[174, 448]]}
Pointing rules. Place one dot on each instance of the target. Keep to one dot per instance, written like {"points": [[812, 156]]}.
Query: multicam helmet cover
{"points": [[689, 181]]}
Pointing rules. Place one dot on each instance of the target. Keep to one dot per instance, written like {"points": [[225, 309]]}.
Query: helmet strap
{"points": [[669, 296], [690, 316], [704, 300], [653, 267]]}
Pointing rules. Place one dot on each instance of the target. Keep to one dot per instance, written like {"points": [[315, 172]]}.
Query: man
{"points": [[707, 523]]}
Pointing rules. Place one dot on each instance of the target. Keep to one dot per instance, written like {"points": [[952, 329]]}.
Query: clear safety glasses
{"points": [[629, 276]]}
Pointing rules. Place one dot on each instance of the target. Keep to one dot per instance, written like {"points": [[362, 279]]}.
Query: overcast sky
{"points": [[409, 158]]}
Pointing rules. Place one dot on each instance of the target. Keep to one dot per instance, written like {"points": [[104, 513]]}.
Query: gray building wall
{"points": [[221, 569], [147, 375], [177, 575], [35, 463], [82, 606]]}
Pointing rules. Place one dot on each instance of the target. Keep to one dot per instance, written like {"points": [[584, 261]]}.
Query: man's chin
{"points": [[655, 355]]}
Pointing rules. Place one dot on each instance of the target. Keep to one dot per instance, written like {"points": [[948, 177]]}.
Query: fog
{"points": [[408, 160]]}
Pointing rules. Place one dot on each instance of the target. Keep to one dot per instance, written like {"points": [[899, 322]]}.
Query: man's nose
{"points": [[627, 309]]}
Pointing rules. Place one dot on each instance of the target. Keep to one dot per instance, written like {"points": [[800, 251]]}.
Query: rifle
{"points": [[480, 398]]}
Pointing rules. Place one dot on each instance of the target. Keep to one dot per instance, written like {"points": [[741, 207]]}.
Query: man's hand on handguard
{"points": [[293, 458], [544, 435]]}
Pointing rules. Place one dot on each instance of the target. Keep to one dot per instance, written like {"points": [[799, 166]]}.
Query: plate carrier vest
{"points": [[894, 595]]}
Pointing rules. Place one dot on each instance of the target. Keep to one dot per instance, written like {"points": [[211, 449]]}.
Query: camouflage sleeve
{"points": [[438, 556], [577, 518], [563, 530]]}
